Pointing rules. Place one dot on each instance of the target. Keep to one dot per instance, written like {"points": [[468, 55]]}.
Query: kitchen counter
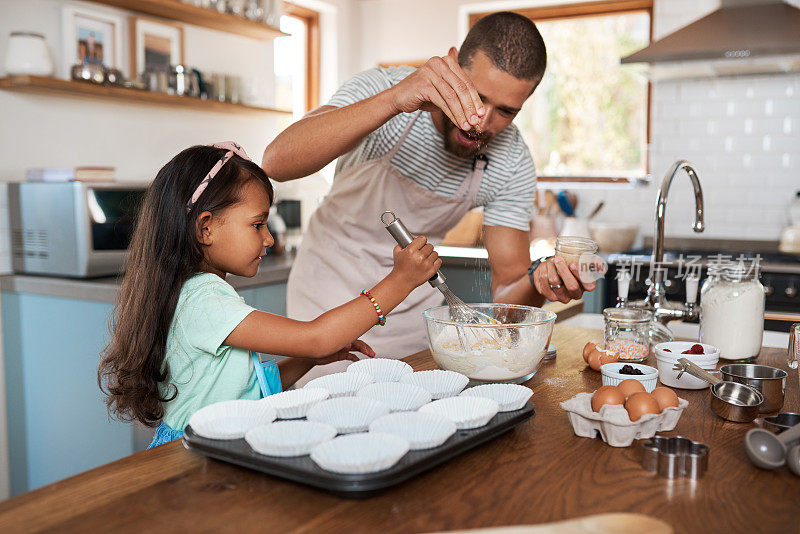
{"points": [[273, 269], [537, 473]]}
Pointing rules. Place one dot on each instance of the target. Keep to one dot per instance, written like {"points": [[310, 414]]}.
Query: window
{"points": [[588, 119], [297, 58]]}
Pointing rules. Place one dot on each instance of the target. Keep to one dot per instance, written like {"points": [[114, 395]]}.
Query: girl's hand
{"points": [[417, 263], [345, 353]]}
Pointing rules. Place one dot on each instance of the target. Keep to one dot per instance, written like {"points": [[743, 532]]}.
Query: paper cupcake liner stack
{"points": [[360, 453], [288, 438], [230, 419], [422, 430], [341, 384], [347, 414], [439, 383], [381, 369], [465, 412], [398, 397], [510, 397], [294, 404]]}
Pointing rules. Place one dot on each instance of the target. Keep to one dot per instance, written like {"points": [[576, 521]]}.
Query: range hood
{"points": [[740, 36]]}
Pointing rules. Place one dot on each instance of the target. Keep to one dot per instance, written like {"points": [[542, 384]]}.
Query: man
{"points": [[428, 144]]}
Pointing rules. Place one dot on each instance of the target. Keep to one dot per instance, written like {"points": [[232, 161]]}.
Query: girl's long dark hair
{"points": [[163, 254]]}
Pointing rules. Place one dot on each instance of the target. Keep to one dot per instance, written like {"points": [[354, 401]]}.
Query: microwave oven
{"points": [[73, 229]]}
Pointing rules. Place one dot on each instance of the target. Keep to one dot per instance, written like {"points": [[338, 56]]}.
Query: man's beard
{"points": [[462, 151]]}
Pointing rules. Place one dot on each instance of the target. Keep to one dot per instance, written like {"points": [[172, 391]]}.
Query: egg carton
{"points": [[613, 423]]}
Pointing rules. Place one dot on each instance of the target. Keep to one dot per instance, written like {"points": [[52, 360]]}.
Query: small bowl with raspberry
{"points": [[667, 355]]}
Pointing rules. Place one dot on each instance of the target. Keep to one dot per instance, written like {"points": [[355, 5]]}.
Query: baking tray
{"points": [[303, 470]]}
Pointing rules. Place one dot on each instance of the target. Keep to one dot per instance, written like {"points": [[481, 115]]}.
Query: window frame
{"points": [[590, 9], [310, 18]]}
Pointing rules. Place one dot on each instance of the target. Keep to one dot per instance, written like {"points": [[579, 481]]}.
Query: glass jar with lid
{"points": [[627, 332], [732, 311], [572, 247]]}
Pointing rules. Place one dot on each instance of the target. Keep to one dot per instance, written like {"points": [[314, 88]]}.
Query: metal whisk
{"points": [[459, 310]]}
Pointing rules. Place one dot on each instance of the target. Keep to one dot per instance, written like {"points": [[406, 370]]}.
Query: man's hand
{"points": [[345, 353], [441, 83], [557, 281]]}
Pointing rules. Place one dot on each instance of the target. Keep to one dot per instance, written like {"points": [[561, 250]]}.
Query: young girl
{"points": [[181, 336]]}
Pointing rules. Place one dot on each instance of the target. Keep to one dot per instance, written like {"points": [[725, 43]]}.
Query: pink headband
{"points": [[233, 148]]}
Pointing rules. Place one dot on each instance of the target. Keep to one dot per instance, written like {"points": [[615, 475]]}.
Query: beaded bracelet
{"points": [[381, 316]]}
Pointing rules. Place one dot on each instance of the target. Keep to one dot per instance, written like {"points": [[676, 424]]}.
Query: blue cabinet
{"points": [[57, 420]]}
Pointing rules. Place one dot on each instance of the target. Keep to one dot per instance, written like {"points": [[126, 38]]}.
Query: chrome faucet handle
{"points": [[623, 285], [692, 282]]}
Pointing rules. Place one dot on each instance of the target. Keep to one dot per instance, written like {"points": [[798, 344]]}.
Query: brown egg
{"points": [[665, 397], [607, 356], [589, 347], [630, 386], [594, 359], [606, 395], [640, 404]]}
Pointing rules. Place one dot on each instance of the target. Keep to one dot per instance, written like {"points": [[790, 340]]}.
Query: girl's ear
{"points": [[203, 230]]}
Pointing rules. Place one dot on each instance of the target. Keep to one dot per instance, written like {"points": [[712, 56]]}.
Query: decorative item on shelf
{"points": [[184, 81], [88, 72], [236, 7], [27, 53], [113, 77], [155, 46], [273, 10], [219, 5], [156, 80], [254, 10], [93, 38]]}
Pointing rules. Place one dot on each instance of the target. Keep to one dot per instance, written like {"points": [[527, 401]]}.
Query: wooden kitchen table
{"points": [[539, 472]]}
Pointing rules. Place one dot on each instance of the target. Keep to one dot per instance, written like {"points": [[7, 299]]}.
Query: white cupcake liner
{"points": [[510, 397], [230, 419], [381, 369], [341, 384], [288, 438], [422, 430], [465, 412], [360, 453], [398, 397], [294, 404], [347, 414], [439, 383]]}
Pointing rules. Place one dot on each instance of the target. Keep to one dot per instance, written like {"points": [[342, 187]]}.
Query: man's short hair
{"points": [[511, 41]]}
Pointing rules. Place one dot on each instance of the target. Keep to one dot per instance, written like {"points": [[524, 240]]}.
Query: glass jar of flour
{"points": [[732, 311]]}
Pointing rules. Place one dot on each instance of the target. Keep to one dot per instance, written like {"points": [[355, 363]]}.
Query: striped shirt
{"points": [[509, 181]]}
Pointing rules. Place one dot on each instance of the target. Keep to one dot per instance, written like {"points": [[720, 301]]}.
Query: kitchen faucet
{"points": [[656, 301]]}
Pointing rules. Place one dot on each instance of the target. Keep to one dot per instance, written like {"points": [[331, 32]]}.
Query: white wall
{"points": [[741, 133]]}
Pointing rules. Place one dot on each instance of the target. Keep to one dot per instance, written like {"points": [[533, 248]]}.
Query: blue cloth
{"points": [[164, 434], [269, 377]]}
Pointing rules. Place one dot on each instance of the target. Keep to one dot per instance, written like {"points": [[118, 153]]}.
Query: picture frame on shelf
{"points": [[90, 36], [155, 45]]}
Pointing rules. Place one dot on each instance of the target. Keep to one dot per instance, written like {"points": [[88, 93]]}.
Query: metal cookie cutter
{"points": [[675, 457]]}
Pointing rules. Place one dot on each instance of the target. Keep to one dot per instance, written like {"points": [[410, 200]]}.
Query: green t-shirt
{"points": [[203, 369]]}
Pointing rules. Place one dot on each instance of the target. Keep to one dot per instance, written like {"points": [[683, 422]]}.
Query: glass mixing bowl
{"points": [[507, 352]]}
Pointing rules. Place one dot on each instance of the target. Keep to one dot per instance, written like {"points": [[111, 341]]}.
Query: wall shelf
{"points": [[58, 87], [199, 16]]}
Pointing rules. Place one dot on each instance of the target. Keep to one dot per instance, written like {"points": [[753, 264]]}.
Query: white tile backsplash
{"points": [[741, 135]]}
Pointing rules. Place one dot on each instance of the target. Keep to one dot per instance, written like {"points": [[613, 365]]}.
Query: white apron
{"points": [[346, 248]]}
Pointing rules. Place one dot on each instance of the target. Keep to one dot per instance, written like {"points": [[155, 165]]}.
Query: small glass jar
{"points": [[627, 332], [732, 312], [571, 248]]}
